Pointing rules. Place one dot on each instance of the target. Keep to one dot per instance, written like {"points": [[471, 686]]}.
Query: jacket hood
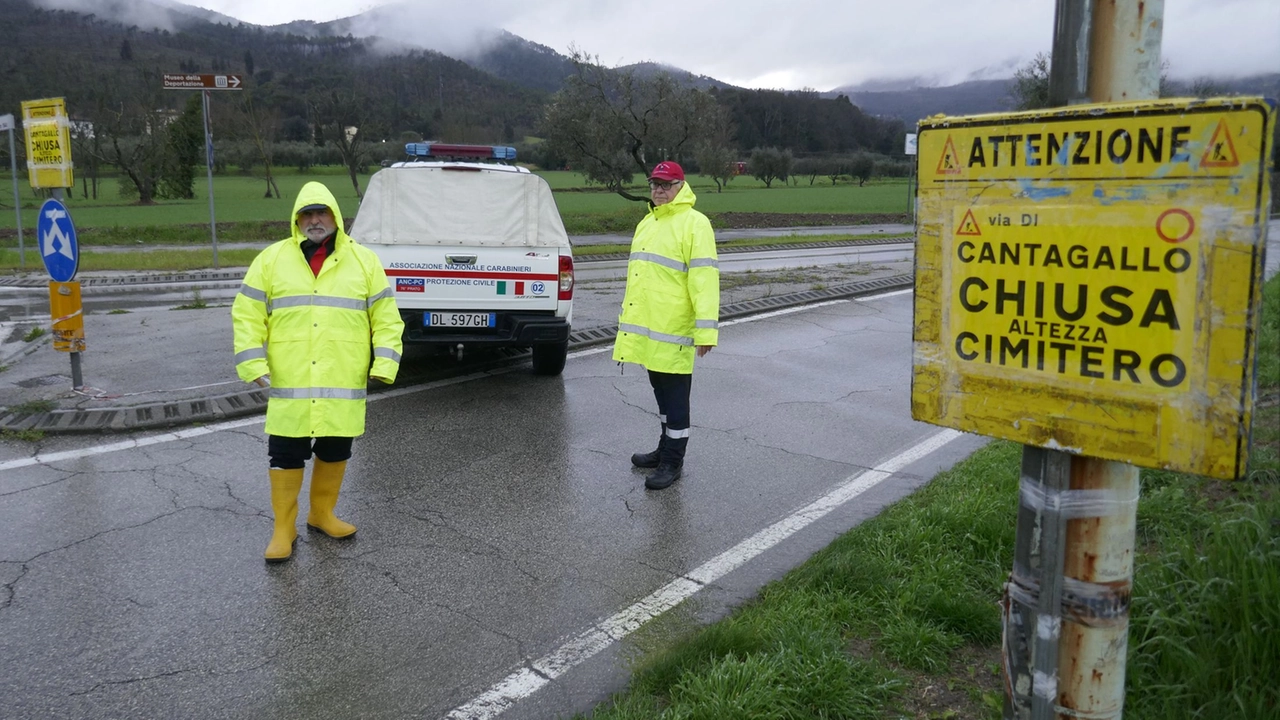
{"points": [[314, 193], [683, 200]]}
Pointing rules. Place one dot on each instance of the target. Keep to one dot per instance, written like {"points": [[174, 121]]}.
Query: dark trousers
{"points": [[291, 453], [671, 390]]}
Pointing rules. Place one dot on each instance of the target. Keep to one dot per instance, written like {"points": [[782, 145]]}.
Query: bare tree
{"points": [[715, 154], [134, 127], [344, 116], [1204, 87], [610, 124], [86, 143], [262, 127]]}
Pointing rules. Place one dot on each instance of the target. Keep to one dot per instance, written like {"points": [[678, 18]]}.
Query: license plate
{"points": [[458, 320]]}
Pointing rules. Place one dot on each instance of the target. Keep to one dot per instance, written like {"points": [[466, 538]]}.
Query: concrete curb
{"points": [[168, 414], [233, 277], [26, 348]]}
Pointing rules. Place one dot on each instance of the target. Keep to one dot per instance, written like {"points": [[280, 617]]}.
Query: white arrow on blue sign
{"points": [[58, 247]]}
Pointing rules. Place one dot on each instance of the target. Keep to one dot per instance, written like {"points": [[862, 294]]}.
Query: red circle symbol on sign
{"points": [[1164, 232]]}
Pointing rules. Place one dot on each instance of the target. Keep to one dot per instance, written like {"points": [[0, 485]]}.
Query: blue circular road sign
{"points": [[57, 236]]}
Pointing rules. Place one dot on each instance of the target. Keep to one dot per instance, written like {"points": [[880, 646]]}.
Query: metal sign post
{"points": [[208, 155], [1088, 284], [6, 123], [61, 254], [205, 83], [910, 149]]}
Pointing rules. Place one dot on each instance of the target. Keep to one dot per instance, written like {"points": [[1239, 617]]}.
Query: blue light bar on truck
{"points": [[444, 150]]}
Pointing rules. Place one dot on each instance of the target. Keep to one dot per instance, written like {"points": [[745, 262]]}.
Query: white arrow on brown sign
{"points": [[199, 81]]}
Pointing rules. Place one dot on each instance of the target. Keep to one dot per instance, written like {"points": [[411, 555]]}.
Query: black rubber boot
{"points": [[646, 460], [663, 477], [650, 459], [671, 460]]}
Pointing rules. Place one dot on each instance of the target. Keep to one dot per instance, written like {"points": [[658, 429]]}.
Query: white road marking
{"points": [[217, 427], [776, 313], [128, 444], [525, 681], [894, 293]]}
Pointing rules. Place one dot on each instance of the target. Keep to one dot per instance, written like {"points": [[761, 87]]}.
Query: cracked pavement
{"points": [[499, 517]]}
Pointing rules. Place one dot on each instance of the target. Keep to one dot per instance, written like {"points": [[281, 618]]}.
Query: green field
{"points": [[586, 209]]}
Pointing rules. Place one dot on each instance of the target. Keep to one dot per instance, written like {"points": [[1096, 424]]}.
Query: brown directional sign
{"points": [[197, 81]]}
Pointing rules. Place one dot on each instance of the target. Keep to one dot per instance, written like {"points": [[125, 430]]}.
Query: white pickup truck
{"points": [[474, 249]]}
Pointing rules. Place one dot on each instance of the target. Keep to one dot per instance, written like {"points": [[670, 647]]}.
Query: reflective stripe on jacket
{"points": [[672, 301], [315, 334]]}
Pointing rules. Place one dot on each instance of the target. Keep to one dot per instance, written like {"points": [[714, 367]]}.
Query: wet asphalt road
{"points": [[499, 518]]}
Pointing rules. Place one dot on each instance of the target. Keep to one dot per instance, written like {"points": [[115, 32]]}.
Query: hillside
{"points": [[984, 96], [303, 75], [97, 63], [968, 98]]}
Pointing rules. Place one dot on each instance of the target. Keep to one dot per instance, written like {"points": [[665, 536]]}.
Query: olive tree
{"points": [[862, 167], [811, 167], [1030, 87], [716, 162], [610, 124], [769, 164]]}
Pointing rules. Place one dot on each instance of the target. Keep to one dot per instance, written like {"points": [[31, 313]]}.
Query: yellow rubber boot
{"points": [[326, 481], [285, 486]]}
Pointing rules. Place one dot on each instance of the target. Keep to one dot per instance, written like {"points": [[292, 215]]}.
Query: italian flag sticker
{"points": [[510, 288]]}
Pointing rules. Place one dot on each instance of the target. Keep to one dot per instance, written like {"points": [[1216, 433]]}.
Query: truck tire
{"points": [[548, 358]]}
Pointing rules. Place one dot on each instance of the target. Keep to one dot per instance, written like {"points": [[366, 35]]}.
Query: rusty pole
{"points": [[1124, 65], [1067, 606]]}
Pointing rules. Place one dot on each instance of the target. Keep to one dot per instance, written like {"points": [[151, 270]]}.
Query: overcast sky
{"points": [[820, 44]]}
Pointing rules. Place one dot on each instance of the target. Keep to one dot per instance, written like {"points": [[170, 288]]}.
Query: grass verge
{"points": [[140, 260], [898, 617]]}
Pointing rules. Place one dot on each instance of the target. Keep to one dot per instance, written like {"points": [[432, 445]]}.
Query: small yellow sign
{"points": [[48, 132], [68, 316], [1089, 278]]}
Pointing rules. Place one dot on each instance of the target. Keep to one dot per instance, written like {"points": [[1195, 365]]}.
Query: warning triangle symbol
{"points": [[1221, 151], [949, 163], [968, 226]]}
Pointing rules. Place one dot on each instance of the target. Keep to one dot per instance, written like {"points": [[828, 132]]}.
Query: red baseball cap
{"points": [[667, 170]]}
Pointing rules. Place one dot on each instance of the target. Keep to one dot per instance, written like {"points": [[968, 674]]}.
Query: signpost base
{"points": [[77, 383]]}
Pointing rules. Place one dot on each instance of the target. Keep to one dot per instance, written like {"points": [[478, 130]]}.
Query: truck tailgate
{"points": [[471, 278]]}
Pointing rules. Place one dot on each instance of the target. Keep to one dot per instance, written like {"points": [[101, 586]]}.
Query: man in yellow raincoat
{"points": [[670, 312], [314, 309]]}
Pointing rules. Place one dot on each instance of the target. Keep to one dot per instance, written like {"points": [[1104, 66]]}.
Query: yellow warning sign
{"points": [[968, 225], [48, 132], [1221, 151], [1090, 281], [949, 161]]}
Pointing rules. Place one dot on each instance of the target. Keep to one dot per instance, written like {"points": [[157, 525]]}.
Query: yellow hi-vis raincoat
{"points": [[672, 302], [314, 333]]}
